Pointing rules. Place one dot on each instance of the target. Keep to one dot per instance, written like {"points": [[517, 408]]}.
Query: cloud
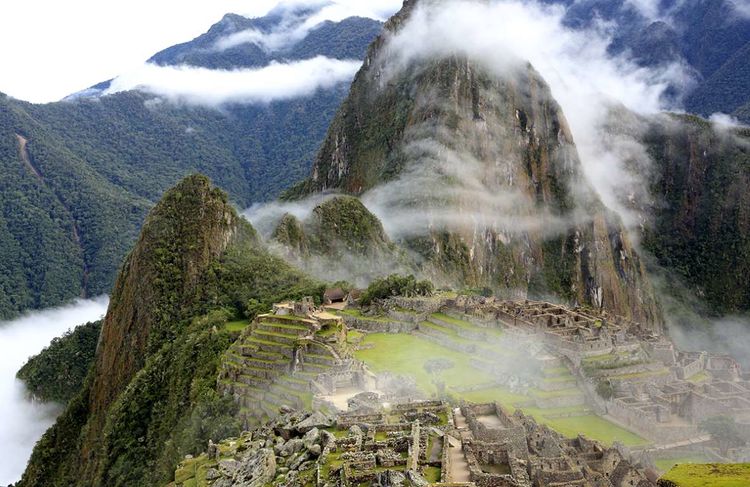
{"points": [[742, 7], [24, 422], [297, 21], [584, 78], [201, 86]]}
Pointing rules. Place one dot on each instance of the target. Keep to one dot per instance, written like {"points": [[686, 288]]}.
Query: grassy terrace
{"points": [[666, 464], [236, 326], [709, 475], [358, 314], [406, 355], [466, 325]]}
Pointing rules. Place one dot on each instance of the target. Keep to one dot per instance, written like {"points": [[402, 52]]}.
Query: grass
{"points": [[466, 325], [406, 355], [699, 377], [640, 375], [235, 326], [710, 475], [432, 474], [666, 464], [358, 314], [593, 427]]}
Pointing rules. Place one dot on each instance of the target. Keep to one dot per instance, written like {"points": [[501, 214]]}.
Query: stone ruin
{"points": [[658, 392], [296, 356], [416, 443], [503, 450]]}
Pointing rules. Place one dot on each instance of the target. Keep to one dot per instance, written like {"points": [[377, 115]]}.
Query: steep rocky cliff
{"points": [[150, 396], [475, 169]]}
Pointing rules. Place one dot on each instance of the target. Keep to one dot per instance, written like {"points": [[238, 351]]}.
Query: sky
{"points": [[52, 49]]}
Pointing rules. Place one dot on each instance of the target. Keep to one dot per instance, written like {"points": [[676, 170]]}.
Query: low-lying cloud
{"points": [[24, 422], [210, 87]]}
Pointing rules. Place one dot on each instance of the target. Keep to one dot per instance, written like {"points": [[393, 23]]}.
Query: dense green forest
{"points": [[58, 372], [78, 177]]}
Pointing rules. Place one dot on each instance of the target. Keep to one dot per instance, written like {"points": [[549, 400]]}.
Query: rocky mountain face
{"points": [[477, 173], [79, 176], [150, 397], [159, 281]]}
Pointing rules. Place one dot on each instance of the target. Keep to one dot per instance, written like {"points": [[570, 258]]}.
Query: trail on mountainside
{"points": [[23, 152]]}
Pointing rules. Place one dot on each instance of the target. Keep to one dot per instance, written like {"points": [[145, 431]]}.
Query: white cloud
{"points": [[585, 80], [209, 87], [742, 7], [24, 422], [53, 48], [294, 28]]}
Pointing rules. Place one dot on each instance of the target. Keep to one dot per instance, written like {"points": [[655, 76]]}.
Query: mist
{"points": [[213, 87], [24, 422], [585, 79], [297, 22]]}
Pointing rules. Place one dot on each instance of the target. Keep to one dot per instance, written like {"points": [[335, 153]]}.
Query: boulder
{"points": [[311, 438], [256, 469], [315, 420]]}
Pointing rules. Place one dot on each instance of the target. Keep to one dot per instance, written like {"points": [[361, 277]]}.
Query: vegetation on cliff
{"points": [[151, 395], [70, 211], [58, 372], [701, 219]]}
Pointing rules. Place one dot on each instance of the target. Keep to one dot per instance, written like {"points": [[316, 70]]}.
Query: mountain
{"points": [[155, 365], [700, 214], [79, 176], [485, 185], [710, 37]]}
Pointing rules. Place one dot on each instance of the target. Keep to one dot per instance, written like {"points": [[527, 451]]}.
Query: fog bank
{"points": [[24, 422]]}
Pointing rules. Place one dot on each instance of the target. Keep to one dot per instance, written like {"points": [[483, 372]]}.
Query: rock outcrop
{"points": [[476, 171]]}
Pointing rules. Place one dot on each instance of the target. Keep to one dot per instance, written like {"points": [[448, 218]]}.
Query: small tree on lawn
{"points": [[724, 432]]}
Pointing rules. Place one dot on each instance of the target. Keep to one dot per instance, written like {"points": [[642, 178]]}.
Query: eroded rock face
{"points": [[474, 170]]}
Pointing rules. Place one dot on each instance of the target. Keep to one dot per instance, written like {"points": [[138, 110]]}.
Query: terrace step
{"points": [[282, 328], [314, 358], [275, 337]]}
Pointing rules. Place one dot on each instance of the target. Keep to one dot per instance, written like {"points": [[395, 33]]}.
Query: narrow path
{"points": [[459, 471], [28, 161], [24, 154], [691, 441]]}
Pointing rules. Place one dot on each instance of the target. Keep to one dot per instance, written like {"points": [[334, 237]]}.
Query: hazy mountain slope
{"points": [[66, 225], [106, 160], [481, 171], [340, 40], [701, 211], [709, 36]]}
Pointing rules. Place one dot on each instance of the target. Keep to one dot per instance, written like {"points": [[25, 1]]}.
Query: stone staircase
{"points": [[273, 364]]}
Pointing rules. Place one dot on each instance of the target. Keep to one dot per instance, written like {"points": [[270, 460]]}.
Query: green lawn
{"points": [[593, 427], [233, 326], [666, 464], [406, 355], [710, 475]]}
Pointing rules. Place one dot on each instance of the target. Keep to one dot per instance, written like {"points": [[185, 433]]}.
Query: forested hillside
{"points": [[710, 37], [78, 176]]}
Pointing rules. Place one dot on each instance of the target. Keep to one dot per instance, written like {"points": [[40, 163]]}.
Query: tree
{"points": [[605, 389], [724, 431]]}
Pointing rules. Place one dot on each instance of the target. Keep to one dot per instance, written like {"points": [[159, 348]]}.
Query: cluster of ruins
{"points": [[302, 356]]}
